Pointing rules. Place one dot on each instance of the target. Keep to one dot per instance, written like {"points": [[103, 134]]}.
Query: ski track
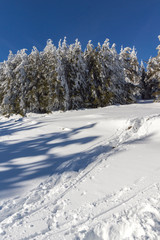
{"points": [[47, 203]]}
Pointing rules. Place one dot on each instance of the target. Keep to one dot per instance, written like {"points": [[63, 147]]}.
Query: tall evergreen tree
{"points": [[77, 71], [153, 76], [132, 72], [11, 84], [63, 71], [49, 65], [93, 76]]}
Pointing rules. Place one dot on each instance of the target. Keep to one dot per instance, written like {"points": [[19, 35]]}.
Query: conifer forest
{"points": [[65, 77]]}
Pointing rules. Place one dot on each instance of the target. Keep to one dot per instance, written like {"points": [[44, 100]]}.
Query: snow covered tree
{"points": [[66, 78], [49, 65], [33, 77], [71, 75], [153, 76], [112, 75], [93, 76], [76, 76], [11, 84], [106, 61], [132, 71], [21, 80], [37, 95], [63, 70], [144, 88]]}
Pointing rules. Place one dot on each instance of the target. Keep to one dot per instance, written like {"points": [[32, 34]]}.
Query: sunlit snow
{"points": [[83, 175]]}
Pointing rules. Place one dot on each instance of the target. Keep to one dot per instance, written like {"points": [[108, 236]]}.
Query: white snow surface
{"points": [[83, 175]]}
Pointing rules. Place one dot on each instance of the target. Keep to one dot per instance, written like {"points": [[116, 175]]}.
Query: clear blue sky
{"points": [[27, 23]]}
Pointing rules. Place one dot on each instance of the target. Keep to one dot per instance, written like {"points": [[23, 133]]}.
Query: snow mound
{"points": [[140, 222], [137, 128]]}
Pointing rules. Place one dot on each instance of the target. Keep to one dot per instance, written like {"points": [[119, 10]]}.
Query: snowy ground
{"points": [[81, 175]]}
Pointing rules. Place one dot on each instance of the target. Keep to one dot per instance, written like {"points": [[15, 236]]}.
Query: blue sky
{"points": [[28, 23]]}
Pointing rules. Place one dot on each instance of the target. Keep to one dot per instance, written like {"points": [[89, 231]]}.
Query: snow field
{"points": [[96, 175]]}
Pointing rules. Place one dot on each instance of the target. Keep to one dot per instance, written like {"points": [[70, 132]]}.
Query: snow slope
{"points": [[82, 175]]}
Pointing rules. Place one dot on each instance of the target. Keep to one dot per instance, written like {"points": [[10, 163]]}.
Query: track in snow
{"points": [[62, 207]]}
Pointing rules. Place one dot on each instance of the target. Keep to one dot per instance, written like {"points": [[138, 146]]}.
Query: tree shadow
{"points": [[140, 140], [31, 159], [34, 158], [9, 127]]}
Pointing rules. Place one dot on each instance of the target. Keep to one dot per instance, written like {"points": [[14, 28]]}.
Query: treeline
{"points": [[67, 78]]}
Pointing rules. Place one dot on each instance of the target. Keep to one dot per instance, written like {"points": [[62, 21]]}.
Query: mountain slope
{"points": [[87, 174]]}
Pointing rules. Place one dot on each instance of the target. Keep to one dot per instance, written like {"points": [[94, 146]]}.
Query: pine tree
{"points": [[76, 76], [153, 76], [11, 86], [32, 101], [106, 60], [49, 65], [113, 75], [37, 95], [143, 84], [132, 72], [21, 80], [63, 70], [93, 76]]}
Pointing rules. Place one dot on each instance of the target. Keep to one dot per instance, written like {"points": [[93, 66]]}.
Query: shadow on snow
{"points": [[18, 159], [16, 170]]}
